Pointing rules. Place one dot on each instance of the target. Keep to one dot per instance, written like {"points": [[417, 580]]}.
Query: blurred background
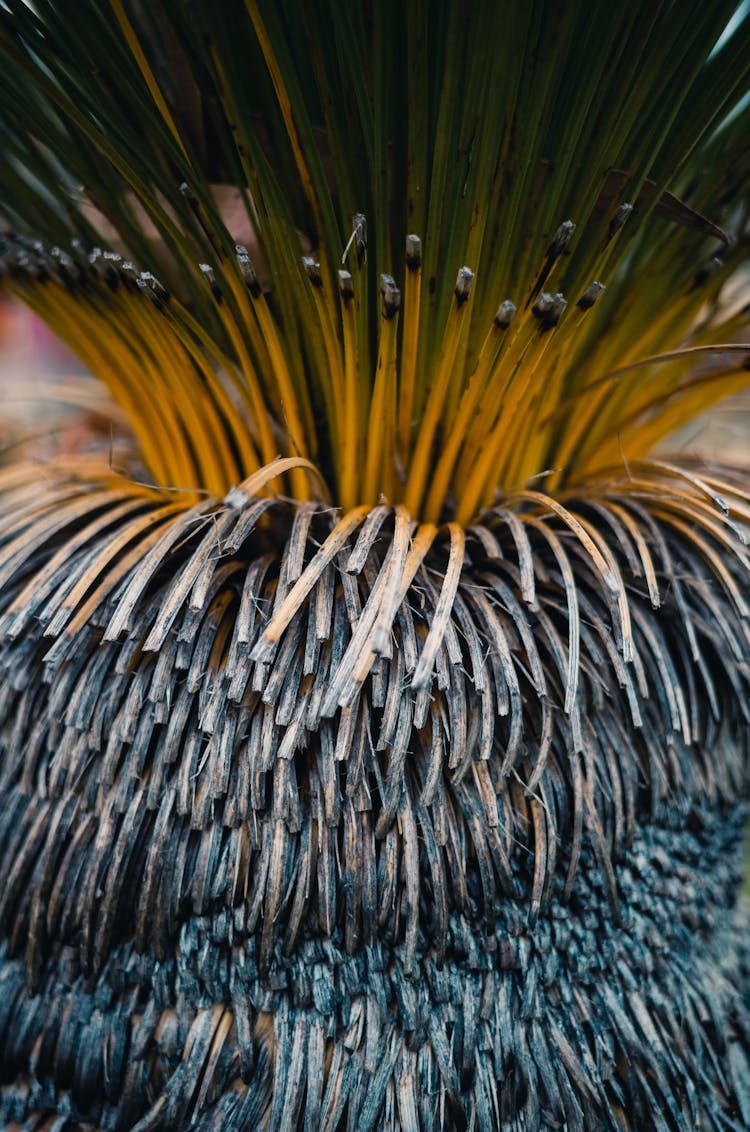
{"points": [[49, 404]]}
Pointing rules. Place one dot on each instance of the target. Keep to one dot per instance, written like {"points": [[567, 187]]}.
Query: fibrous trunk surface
{"points": [[330, 822]]}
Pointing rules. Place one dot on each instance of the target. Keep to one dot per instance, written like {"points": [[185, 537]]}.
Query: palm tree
{"points": [[373, 739]]}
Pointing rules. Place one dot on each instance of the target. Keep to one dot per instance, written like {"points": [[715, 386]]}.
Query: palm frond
{"points": [[403, 375]]}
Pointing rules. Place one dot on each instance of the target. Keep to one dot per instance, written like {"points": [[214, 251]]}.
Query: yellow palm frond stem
{"points": [[292, 394], [274, 352], [327, 317], [183, 383], [229, 401], [359, 322], [642, 319], [200, 416], [534, 453], [636, 325], [496, 448], [530, 385], [124, 338], [419, 466], [626, 405], [263, 368], [697, 343], [352, 431], [456, 435], [267, 445], [508, 379], [161, 439], [409, 343], [653, 422], [380, 454], [205, 417]]}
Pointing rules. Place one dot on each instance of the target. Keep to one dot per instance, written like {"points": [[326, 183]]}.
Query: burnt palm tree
{"points": [[373, 737]]}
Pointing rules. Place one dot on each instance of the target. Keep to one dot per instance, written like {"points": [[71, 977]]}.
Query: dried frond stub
{"points": [[505, 313], [413, 252], [591, 295], [218, 701]]}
